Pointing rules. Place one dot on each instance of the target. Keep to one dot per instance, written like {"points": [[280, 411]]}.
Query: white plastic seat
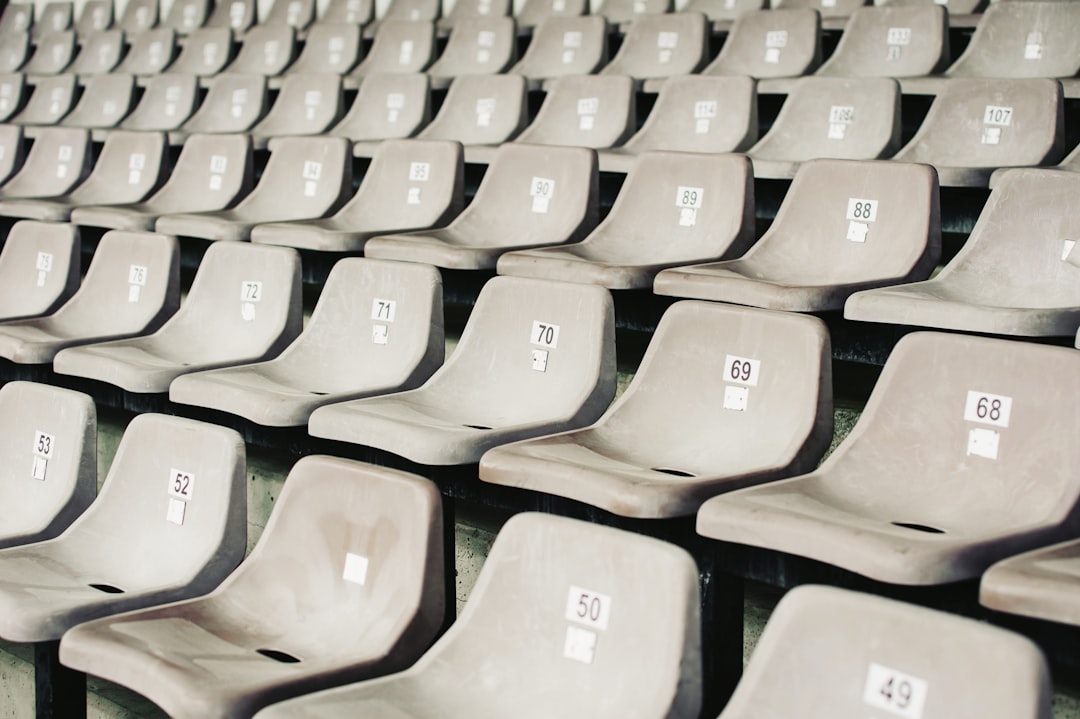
{"points": [[352, 12], [54, 52], [138, 16], [1040, 584], [722, 13], [620, 12], [95, 16], [481, 46], [11, 150], [891, 41], [350, 348], [39, 268], [308, 104], [233, 104], [151, 52], [266, 50], [661, 46], [186, 16], [331, 48], [244, 306], [831, 9], [55, 16], [564, 46], [480, 110], [296, 14], [12, 94], [237, 15], [205, 53], [387, 107], [771, 43], [57, 162], [52, 98], [473, 9], [14, 50], [400, 47], [18, 17], [106, 100], [100, 53], [532, 13], [409, 10], [167, 103]]}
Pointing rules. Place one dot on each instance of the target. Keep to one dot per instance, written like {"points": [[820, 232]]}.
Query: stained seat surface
{"points": [[378, 328], [52, 98], [233, 104], [699, 418], [39, 268], [528, 628], [904, 499], [386, 107], [536, 357], [400, 47], [354, 555], [843, 227]]}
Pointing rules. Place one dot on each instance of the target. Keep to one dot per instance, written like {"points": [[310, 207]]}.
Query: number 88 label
{"points": [[861, 210]]}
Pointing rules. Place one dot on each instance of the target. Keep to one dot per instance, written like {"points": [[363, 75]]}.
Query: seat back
{"points": [[234, 103], [151, 52], [139, 16], [864, 655], [39, 268], [206, 51], [532, 13], [56, 16], [771, 43], [991, 123], [585, 111], [14, 49], [844, 118], [297, 14], [387, 106], [48, 442], [308, 104], [18, 17], [892, 41], [186, 16], [96, 16], [618, 12], [267, 50], [330, 48], [697, 113], [474, 9], [58, 160], [477, 46], [54, 52], [211, 172], [724, 10], [51, 99], [106, 101], [353, 12], [400, 46], [412, 10], [561, 46], [551, 607], [237, 15], [129, 167], [662, 46], [11, 148], [100, 52], [827, 8], [1023, 39], [12, 94], [480, 110], [166, 103]]}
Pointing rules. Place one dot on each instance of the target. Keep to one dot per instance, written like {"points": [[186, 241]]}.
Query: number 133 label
{"points": [[894, 692]]}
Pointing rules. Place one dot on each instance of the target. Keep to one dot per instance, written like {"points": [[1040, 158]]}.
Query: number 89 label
{"points": [[587, 607], [986, 408], [689, 197], [894, 692]]}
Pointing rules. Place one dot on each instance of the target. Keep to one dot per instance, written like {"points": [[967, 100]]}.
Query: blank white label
{"points": [[44, 261], [181, 484], [380, 334], [983, 442], [419, 171], [356, 567], [993, 409], [588, 105], [485, 106], [772, 55], [395, 100], [861, 210], [991, 136], [837, 131], [250, 291], [383, 310], [705, 109], [571, 39], [736, 398], [668, 40], [39, 469], [413, 196], [177, 510], [580, 645], [544, 334], [742, 370], [776, 38], [539, 360], [133, 293], [898, 36], [137, 275], [587, 607], [857, 231], [843, 114], [691, 197], [1067, 248], [405, 54], [43, 444], [894, 692], [998, 116], [41, 277]]}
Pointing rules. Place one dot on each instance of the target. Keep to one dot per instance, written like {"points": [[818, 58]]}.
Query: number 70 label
{"points": [[544, 334]]}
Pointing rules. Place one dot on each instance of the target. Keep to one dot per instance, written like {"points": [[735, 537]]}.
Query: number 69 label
{"points": [[988, 408], [544, 334], [587, 607], [741, 370], [894, 692], [181, 484]]}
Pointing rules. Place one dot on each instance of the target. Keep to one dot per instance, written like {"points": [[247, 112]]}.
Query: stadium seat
{"points": [[620, 12], [305, 178], [51, 99], [55, 16], [481, 46], [14, 50], [95, 16], [352, 12], [297, 14], [686, 429], [400, 47], [465, 10], [386, 107], [308, 104], [673, 209], [831, 238], [498, 386], [167, 103], [693, 113], [975, 126], [378, 328], [662, 46], [481, 110], [48, 441], [39, 268], [105, 101], [150, 53], [1040, 584], [567, 618], [59, 159], [138, 16], [352, 605], [863, 655], [905, 498], [891, 41], [267, 50], [722, 13], [18, 17], [827, 8], [132, 549], [563, 46], [206, 52], [131, 287], [329, 48], [771, 43], [210, 174], [13, 92], [186, 16], [531, 196], [128, 169], [843, 118], [54, 53], [533, 12], [100, 52], [244, 306], [233, 104], [11, 151], [1010, 278], [410, 185], [236, 15]]}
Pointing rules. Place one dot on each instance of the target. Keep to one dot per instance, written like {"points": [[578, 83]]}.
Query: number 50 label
{"points": [[894, 692], [587, 607]]}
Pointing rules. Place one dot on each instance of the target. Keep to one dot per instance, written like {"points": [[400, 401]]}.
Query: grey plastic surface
{"points": [[474, 9], [563, 46], [521, 630], [827, 8], [138, 16], [355, 12], [52, 98], [11, 149], [662, 45], [477, 46], [594, 111], [673, 208], [125, 542], [400, 47], [167, 102], [481, 110], [54, 52], [206, 52], [387, 106], [100, 52], [39, 268], [105, 101], [1023, 39], [308, 104], [686, 429], [724, 12], [233, 104], [411, 11], [1040, 584], [350, 348], [18, 17], [532, 13], [57, 162], [267, 50], [531, 196], [237, 15], [892, 41], [822, 247], [55, 16], [294, 13], [14, 50], [771, 43], [329, 48], [620, 12], [95, 16], [151, 52], [904, 497], [186, 16]]}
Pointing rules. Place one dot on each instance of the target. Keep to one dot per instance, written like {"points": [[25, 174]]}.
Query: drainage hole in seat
{"points": [[920, 527], [107, 588], [673, 472], [278, 656]]}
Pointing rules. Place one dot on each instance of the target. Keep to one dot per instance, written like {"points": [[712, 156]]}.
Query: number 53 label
{"points": [[894, 692], [587, 607]]}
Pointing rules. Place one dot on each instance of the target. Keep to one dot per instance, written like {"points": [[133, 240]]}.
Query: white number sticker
{"points": [[544, 334], [742, 370], [419, 171], [999, 116], [861, 210], [667, 40], [571, 39], [181, 484], [1066, 249], [43, 444], [842, 114], [250, 291], [776, 38], [983, 442], [898, 36], [356, 567], [137, 275], [690, 197], [384, 310], [44, 261], [895, 692], [993, 409], [587, 607], [541, 190], [588, 105], [705, 109], [580, 645]]}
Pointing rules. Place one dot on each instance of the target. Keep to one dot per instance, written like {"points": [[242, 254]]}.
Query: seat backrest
{"points": [[55, 51], [14, 49], [477, 46], [698, 113], [827, 8], [211, 172], [167, 102], [550, 607], [387, 106], [309, 175], [58, 160], [12, 94], [618, 12], [662, 46], [329, 48], [472, 9], [237, 15], [56, 16], [400, 46], [234, 103], [308, 104], [533, 12], [18, 17], [480, 110], [297, 14], [862, 655], [267, 50], [1023, 39], [139, 16], [11, 148], [39, 268], [771, 43], [129, 167], [131, 286], [412, 10], [892, 41], [105, 101], [853, 222], [48, 442], [206, 51], [991, 123], [96, 15], [955, 7], [353, 12], [187, 16], [151, 52], [100, 52], [845, 118], [140, 528], [569, 45], [595, 111], [724, 10], [51, 99]]}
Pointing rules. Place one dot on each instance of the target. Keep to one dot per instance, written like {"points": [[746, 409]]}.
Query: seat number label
{"points": [[889, 690]]}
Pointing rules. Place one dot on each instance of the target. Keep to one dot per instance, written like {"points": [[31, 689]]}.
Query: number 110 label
{"points": [[894, 692]]}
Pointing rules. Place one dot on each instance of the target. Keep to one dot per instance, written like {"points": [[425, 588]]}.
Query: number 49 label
{"points": [[895, 692], [988, 408], [587, 607]]}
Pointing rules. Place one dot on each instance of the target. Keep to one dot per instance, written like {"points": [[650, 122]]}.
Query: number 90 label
{"points": [[894, 692], [587, 607]]}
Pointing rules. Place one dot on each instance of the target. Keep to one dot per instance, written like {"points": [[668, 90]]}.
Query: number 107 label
{"points": [[889, 690]]}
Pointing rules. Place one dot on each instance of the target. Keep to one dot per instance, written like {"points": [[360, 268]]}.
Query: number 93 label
{"points": [[895, 692], [587, 607]]}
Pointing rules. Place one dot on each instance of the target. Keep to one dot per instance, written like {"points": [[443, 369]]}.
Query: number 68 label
{"points": [[894, 692], [181, 484], [988, 408], [587, 607]]}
